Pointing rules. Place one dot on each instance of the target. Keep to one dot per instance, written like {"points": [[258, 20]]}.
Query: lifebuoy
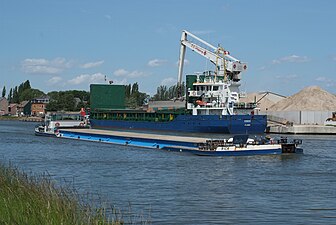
{"points": [[57, 124], [81, 124]]}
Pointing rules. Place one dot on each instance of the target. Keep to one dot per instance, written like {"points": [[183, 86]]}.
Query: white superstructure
{"points": [[217, 92]]}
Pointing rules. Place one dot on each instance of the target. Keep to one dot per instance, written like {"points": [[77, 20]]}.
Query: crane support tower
{"points": [[226, 65]]}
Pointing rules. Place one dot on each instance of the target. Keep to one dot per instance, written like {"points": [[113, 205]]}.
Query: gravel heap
{"points": [[308, 99]]}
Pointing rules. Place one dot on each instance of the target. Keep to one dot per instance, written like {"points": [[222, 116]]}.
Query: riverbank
{"points": [[302, 129], [9, 118], [37, 200], [22, 118]]}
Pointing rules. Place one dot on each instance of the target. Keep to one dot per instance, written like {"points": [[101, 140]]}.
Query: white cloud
{"points": [[87, 79], [327, 81], [291, 59], [169, 81], [120, 72], [129, 74], [44, 66], [156, 62], [92, 64], [122, 82], [186, 62], [322, 79], [55, 80], [136, 73], [109, 17], [262, 68]]}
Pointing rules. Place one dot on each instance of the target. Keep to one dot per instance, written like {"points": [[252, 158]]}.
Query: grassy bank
{"points": [[22, 118], [9, 118], [36, 200]]}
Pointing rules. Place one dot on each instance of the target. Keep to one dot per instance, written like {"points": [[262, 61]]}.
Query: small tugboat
{"points": [[55, 121], [242, 145]]}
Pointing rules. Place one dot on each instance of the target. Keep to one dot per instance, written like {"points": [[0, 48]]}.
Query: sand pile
{"points": [[308, 99]]}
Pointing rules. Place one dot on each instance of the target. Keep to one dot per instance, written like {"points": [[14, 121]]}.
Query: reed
{"points": [[38, 200]]}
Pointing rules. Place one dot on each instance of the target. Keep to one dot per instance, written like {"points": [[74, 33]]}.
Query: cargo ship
{"points": [[212, 100]]}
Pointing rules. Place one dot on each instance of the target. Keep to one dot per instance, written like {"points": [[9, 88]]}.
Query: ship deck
{"points": [[129, 134], [171, 142]]}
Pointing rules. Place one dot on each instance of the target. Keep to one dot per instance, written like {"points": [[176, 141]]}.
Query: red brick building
{"points": [[38, 106], [3, 106]]}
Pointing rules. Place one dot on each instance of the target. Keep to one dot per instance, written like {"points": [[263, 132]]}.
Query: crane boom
{"points": [[226, 65]]}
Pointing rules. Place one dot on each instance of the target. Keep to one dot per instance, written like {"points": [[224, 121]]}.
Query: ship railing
{"points": [[242, 94], [213, 144], [245, 105], [207, 94], [207, 106]]}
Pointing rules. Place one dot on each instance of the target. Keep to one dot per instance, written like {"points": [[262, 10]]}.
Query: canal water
{"points": [[173, 188]]}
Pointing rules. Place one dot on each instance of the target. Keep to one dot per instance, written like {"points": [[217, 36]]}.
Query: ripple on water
{"points": [[183, 189]]}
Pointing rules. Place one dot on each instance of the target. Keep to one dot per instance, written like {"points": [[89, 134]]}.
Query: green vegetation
{"points": [[134, 97], [164, 93], [66, 100], [23, 92], [74, 100], [9, 118], [37, 200], [3, 91]]}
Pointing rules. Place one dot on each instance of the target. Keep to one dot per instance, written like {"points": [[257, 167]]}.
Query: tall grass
{"points": [[37, 200]]}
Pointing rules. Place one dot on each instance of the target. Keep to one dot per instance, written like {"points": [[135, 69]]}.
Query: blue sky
{"points": [[68, 44]]}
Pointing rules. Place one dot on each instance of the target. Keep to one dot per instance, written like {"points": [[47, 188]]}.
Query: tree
{"points": [[52, 106], [161, 93], [142, 98], [53, 95], [29, 94], [10, 95], [65, 100], [135, 89], [128, 90], [68, 102], [133, 97], [4, 92], [26, 85], [15, 95]]}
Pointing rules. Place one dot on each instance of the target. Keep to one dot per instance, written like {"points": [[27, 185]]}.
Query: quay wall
{"points": [[299, 117], [302, 129]]}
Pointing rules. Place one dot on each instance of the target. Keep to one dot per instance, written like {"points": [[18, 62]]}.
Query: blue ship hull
{"points": [[168, 145], [234, 124]]}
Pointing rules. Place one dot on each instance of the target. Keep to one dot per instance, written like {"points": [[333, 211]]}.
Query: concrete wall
{"points": [[301, 117], [314, 117]]}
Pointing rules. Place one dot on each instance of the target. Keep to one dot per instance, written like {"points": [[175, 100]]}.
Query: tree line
{"points": [[133, 97], [20, 93], [74, 100], [164, 93]]}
